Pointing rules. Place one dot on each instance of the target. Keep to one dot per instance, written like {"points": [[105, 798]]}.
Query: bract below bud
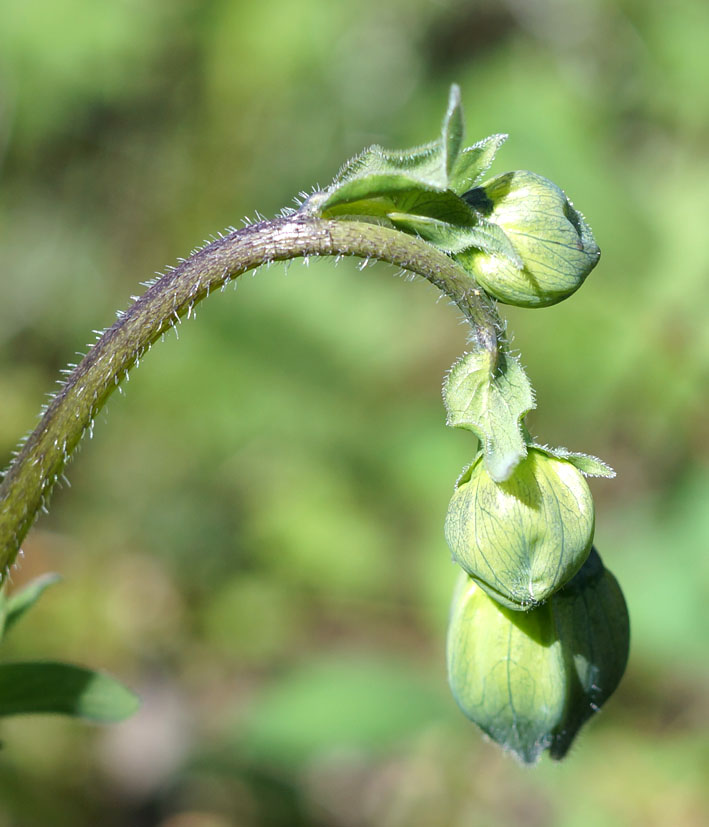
{"points": [[523, 539], [553, 241], [531, 679]]}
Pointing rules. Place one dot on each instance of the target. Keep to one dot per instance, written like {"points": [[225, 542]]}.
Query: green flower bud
{"points": [[531, 679], [554, 243], [522, 539]]}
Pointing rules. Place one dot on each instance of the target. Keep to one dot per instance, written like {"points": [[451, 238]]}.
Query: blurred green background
{"points": [[253, 538]]}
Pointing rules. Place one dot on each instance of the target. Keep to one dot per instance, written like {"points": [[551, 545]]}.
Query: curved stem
{"points": [[29, 479]]}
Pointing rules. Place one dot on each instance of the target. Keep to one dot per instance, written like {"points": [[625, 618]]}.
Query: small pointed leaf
{"points": [[23, 600], [491, 401], [453, 129], [63, 689], [587, 464], [425, 164], [431, 168], [474, 162], [367, 162]]}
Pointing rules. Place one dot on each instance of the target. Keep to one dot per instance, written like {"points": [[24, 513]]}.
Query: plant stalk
{"points": [[30, 477]]}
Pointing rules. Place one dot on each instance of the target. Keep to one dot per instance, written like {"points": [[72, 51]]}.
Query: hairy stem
{"points": [[29, 479]]}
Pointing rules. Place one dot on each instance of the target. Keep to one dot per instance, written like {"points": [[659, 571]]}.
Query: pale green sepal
{"points": [[493, 240], [453, 129], [531, 679], [591, 618], [473, 162], [523, 539], [451, 237], [490, 400], [587, 464], [503, 670]]}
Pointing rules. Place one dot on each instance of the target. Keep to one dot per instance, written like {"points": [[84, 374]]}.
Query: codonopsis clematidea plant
{"points": [[539, 633]]}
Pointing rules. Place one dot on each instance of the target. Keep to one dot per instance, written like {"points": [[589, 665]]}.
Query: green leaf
{"points": [[425, 163], [453, 129], [20, 602], [405, 175], [63, 689], [443, 205], [381, 184], [383, 172], [366, 162], [491, 401], [587, 464], [374, 209], [474, 162]]}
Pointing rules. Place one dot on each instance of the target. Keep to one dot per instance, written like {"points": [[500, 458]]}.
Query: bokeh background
{"points": [[253, 538]]}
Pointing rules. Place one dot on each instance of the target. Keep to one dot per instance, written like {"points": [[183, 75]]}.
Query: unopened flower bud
{"points": [[523, 539], [553, 241], [531, 679]]}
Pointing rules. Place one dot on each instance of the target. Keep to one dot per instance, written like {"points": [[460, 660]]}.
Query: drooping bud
{"points": [[553, 241], [531, 679], [523, 539], [591, 618]]}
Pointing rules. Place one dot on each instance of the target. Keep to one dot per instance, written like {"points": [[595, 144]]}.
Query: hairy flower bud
{"points": [[553, 241], [531, 679], [522, 539]]}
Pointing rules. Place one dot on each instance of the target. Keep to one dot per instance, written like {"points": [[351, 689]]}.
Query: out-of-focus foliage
{"points": [[33, 687], [254, 537]]}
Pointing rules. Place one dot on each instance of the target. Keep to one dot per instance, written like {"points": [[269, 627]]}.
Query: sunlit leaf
{"points": [[491, 400], [374, 186], [382, 172]]}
